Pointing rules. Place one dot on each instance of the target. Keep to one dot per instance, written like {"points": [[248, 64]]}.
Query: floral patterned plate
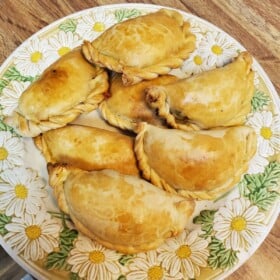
{"points": [[221, 234]]}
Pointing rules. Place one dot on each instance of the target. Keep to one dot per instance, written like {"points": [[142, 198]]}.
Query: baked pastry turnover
{"points": [[122, 212], [219, 97], [67, 88], [125, 106], [143, 47], [88, 148], [201, 164]]}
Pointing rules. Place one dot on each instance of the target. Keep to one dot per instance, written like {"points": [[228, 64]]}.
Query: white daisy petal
{"points": [[198, 260], [234, 240], [220, 226], [112, 267], [10, 96], [175, 267], [188, 268], [250, 213], [255, 227], [223, 234], [199, 244]]}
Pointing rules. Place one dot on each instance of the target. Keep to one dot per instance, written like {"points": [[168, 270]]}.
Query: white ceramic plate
{"points": [[221, 236]]}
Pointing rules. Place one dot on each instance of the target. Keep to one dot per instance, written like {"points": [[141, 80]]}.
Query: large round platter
{"points": [[221, 235]]}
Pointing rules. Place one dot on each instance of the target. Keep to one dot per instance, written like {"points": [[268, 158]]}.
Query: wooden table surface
{"points": [[255, 24]]}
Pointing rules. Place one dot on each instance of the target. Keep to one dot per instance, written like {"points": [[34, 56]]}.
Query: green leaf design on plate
{"points": [[124, 259], [220, 257], [121, 277], [4, 219], [3, 84], [259, 100], [12, 74], [205, 219], [74, 276], [69, 25], [126, 13], [57, 259], [262, 189]]}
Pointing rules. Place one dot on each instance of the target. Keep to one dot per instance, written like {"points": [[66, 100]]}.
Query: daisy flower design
{"points": [[217, 47], [257, 164], [62, 43], [195, 64], [10, 96], [33, 236], [92, 261], [11, 150], [185, 254], [198, 29], [146, 266], [267, 128], [22, 191], [32, 59], [257, 77], [92, 25], [238, 224]]}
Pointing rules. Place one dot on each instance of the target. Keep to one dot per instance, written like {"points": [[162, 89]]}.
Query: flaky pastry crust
{"points": [[200, 164], [120, 211], [218, 97], [143, 47], [67, 88]]}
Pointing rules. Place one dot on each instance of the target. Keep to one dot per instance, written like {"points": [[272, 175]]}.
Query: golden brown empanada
{"points": [[219, 97], [122, 212], [66, 88], [202, 164], [143, 47], [89, 148], [126, 106]]}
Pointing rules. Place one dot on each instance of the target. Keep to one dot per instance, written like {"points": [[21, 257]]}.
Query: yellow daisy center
{"points": [[36, 56], [155, 273], [33, 232], [197, 60], [96, 257], [63, 50], [184, 252], [98, 26], [21, 191], [266, 133], [217, 49], [3, 153], [238, 223]]}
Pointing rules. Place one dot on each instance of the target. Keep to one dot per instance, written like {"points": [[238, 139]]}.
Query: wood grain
{"points": [[255, 24]]}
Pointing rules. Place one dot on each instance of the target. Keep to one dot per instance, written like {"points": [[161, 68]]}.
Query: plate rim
{"points": [[274, 95]]}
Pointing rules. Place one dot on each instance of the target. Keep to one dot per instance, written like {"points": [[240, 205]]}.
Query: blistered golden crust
{"points": [[121, 212], [143, 47], [198, 164], [67, 88], [219, 97], [126, 106], [89, 148]]}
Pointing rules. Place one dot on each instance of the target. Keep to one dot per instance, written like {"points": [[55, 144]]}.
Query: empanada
{"points": [[202, 164], [89, 148], [126, 106], [143, 47], [67, 88], [122, 212], [219, 97]]}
